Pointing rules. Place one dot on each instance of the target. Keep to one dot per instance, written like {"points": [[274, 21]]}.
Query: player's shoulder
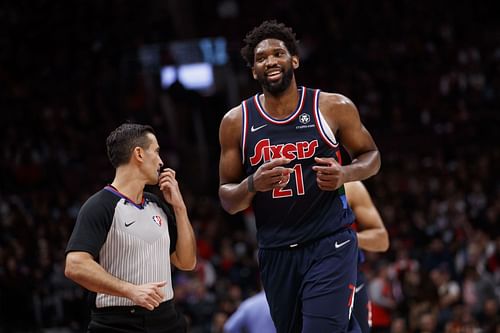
{"points": [[234, 115], [231, 124], [335, 100]]}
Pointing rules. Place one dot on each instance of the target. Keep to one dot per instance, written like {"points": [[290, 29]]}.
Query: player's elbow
{"points": [[377, 162], [384, 241], [228, 203], [229, 208]]}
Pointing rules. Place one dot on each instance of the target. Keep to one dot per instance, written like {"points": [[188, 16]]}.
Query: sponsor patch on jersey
{"points": [[304, 118], [158, 220]]}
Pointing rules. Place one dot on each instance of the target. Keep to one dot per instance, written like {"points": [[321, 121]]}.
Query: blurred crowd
{"points": [[424, 75]]}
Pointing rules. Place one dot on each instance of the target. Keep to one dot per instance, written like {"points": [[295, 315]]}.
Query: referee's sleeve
{"points": [[92, 225]]}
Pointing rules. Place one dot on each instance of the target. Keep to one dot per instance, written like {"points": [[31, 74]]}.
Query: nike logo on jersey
{"points": [[255, 129], [361, 286], [339, 245], [129, 224]]}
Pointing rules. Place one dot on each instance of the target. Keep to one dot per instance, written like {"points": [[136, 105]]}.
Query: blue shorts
{"points": [[310, 288]]}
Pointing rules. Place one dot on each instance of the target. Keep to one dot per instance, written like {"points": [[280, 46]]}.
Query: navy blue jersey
{"points": [[301, 211]]}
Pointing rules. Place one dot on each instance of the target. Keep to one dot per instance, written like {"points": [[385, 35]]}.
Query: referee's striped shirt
{"points": [[132, 242]]}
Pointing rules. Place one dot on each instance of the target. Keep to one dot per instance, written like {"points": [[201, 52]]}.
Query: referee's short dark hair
{"points": [[124, 139]]}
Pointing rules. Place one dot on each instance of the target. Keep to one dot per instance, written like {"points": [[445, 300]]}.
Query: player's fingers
{"points": [[320, 170], [281, 171], [322, 185], [325, 160], [276, 162], [327, 185]]}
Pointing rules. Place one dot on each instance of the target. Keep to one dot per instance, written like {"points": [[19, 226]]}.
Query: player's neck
{"points": [[282, 105], [130, 184]]}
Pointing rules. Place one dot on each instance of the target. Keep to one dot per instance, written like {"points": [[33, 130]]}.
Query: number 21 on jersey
{"points": [[299, 184]]}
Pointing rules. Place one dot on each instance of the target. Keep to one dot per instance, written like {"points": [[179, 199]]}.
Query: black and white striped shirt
{"points": [[132, 242]]}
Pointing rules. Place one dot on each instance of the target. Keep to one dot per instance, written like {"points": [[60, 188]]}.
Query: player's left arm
{"points": [[343, 118], [184, 256], [372, 234]]}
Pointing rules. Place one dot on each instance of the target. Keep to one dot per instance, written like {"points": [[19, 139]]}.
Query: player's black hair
{"points": [[121, 142], [268, 29]]}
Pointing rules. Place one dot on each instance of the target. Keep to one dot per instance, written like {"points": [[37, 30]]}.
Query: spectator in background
{"points": [[382, 298], [477, 288], [252, 316], [448, 292]]}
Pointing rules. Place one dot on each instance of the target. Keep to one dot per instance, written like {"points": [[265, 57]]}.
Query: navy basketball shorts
{"points": [[310, 288], [362, 311], [165, 319]]}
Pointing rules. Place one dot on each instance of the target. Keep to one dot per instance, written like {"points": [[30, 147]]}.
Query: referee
{"points": [[125, 239]]}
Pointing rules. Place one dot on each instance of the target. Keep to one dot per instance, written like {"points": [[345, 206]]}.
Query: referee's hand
{"points": [[148, 295], [170, 188]]}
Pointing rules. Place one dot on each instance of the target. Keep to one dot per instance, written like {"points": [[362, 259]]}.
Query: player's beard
{"points": [[277, 88]]}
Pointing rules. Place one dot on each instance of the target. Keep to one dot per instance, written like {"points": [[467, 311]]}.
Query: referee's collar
{"points": [[114, 190]]}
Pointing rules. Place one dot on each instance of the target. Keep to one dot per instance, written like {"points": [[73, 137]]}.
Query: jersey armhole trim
{"points": [[323, 128], [244, 125]]}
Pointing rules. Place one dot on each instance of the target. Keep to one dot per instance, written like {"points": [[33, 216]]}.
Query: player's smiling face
{"points": [[273, 65]]}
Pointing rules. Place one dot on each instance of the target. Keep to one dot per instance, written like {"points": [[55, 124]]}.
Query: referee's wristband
{"points": [[250, 184]]}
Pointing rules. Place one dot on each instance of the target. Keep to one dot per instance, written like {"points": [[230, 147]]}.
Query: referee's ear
{"points": [[137, 154]]}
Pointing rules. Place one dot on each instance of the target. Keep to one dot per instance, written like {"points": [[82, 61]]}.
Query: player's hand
{"points": [[272, 175], [329, 173], [170, 188], [148, 295]]}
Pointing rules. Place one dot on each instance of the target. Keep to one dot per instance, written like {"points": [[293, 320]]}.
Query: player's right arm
{"points": [[234, 192], [233, 187]]}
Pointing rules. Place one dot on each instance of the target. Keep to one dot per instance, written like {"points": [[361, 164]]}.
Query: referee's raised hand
{"points": [[170, 188]]}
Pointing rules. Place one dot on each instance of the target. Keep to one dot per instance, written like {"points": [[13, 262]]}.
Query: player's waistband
{"points": [[135, 309], [299, 245]]}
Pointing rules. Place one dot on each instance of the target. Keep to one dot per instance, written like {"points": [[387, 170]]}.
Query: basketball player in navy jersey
{"points": [[279, 152], [372, 236]]}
